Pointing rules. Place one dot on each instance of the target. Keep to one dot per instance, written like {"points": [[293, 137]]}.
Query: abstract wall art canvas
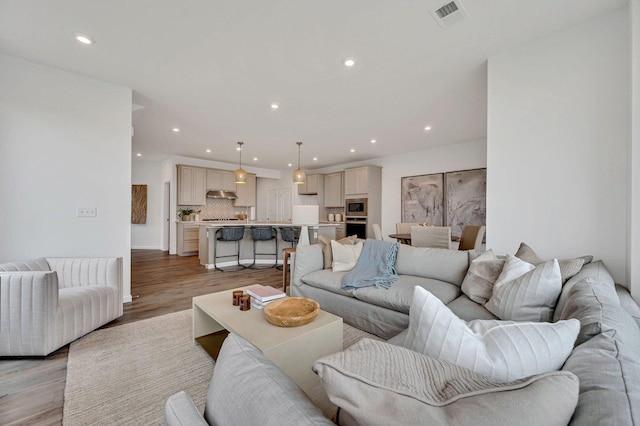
{"points": [[422, 199], [138, 204], [466, 199]]}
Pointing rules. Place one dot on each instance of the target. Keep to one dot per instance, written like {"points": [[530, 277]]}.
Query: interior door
{"points": [[286, 197]]}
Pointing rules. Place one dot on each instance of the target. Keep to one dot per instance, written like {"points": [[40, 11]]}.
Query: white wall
{"points": [[146, 236], [633, 259], [65, 143], [557, 140]]}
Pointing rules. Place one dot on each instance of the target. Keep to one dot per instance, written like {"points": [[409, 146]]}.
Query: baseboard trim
{"points": [[127, 299], [146, 248]]}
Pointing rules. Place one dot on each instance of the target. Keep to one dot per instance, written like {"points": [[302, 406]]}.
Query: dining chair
{"points": [[471, 237], [377, 232], [431, 236], [405, 227]]}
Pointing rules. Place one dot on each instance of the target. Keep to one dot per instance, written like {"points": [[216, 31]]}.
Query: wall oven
{"points": [[356, 226], [356, 207]]}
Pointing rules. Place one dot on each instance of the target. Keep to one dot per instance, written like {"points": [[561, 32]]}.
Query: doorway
{"points": [[167, 217]]}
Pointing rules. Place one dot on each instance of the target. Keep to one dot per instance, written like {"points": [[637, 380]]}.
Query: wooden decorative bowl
{"points": [[291, 311]]}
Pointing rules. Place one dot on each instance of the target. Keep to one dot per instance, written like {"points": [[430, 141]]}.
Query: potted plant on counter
{"points": [[185, 214]]}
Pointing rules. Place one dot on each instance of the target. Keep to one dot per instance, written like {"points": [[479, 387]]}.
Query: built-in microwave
{"points": [[356, 207]]}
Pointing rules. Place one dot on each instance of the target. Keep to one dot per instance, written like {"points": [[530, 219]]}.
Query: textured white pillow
{"points": [[482, 274], [500, 350], [524, 292], [345, 256]]}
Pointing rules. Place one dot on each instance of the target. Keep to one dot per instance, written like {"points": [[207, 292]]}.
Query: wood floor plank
{"points": [[32, 389]]}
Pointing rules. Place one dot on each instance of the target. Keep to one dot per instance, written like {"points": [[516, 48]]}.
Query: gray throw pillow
{"points": [[482, 274], [376, 383], [568, 267]]}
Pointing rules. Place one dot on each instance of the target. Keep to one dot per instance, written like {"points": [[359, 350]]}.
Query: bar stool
{"points": [[227, 234], [288, 234], [264, 233]]}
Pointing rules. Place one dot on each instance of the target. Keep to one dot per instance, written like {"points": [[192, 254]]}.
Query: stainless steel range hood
{"points": [[222, 194]]}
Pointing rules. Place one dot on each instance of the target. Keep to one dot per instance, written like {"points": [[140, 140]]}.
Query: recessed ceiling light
{"points": [[315, 158], [175, 129], [349, 62], [255, 158], [352, 150], [427, 128], [139, 155], [84, 39], [275, 106], [373, 141], [208, 150], [289, 165], [238, 148]]}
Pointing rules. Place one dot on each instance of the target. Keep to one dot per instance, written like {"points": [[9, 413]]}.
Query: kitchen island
{"points": [[207, 237]]}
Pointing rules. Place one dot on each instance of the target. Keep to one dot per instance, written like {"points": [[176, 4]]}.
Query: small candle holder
{"points": [[236, 297], [245, 302]]}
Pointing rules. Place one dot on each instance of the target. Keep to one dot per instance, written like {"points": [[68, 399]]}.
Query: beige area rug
{"points": [[123, 375]]}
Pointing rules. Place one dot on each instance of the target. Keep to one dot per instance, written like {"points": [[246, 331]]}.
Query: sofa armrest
{"points": [[179, 410], [28, 305], [307, 259]]}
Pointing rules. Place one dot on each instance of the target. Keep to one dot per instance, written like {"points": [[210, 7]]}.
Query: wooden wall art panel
{"points": [[138, 204]]}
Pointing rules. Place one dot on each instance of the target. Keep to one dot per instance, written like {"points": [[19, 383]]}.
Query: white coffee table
{"points": [[292, 349]]}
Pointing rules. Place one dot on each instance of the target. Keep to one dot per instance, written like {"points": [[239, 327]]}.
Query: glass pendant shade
{"points": [[298, 175], [240, 174]]}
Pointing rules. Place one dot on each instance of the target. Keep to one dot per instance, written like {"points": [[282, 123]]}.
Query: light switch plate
{"points": [[87, 211]]}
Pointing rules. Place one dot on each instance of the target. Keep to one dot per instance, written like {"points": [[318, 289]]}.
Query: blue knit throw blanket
{"points": [[375, 266]]}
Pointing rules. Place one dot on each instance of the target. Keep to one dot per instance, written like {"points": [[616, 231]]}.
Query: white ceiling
{"points": [[212, 68]]}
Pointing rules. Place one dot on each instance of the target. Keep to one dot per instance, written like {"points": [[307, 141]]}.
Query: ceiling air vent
{"points": [[449, 14]]}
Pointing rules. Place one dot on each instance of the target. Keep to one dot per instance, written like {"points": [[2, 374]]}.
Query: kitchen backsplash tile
{"points": [[218, 209]]}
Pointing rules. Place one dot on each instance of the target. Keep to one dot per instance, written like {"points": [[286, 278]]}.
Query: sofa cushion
{"points": [[440, 264], [469, 310], [483, 272], [568, 267], [83, 309], [326, 279], [500, 350], [376, 383], [39, 264], [398, 297], [306, 259], [180, 410], [345, 256], [248, 389], [327, 251], [609, 382], [529, 297]]}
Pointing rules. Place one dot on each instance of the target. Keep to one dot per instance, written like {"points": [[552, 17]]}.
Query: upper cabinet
{"points": [[356, 181], [310, 186], [246, 192], [191, 186], [333, 193], [220, 179]]}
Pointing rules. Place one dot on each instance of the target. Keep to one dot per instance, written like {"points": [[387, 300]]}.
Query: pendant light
{"points": [[240, 174], [299, 175]]}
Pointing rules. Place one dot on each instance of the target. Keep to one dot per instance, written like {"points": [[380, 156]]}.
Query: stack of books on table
{"points": [[261, 295]]}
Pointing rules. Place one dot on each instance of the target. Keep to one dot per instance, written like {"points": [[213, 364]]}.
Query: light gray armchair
{"points": [[48, 302]]}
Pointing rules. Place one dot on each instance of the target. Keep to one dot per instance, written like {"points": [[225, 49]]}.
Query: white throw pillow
{"points": [[524, 292], [500, 350], [482, 274], [345, 257]]}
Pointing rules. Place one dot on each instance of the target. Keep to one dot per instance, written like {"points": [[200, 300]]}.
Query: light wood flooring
{"points": [[32, 389]]}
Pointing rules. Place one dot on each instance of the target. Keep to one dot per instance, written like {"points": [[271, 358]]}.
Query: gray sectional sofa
{"points": [[605, 358]]}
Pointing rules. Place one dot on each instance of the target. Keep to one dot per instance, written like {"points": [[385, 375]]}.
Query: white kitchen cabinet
{"points": [[279, 204], [220, 179], [333, 190], [191, 186], [356, 181], [310, 186], [246, 192], [187, 239]]}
